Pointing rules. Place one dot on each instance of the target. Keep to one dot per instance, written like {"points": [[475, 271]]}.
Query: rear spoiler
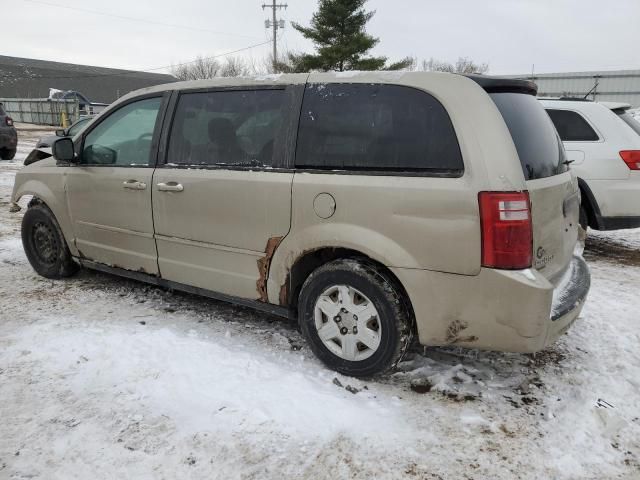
{"points": [[504, 85], [617, 107]]}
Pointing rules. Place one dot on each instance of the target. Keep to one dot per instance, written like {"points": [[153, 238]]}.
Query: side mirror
{"points": [[63, 150], [61, 133]]}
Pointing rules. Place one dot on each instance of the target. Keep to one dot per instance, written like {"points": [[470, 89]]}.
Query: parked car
{"points": [[71, 131], [371, 206], [8, 136], [602, 140]]}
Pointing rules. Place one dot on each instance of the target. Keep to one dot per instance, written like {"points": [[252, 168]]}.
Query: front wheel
{"points": [[355, 317], [44, 244]]}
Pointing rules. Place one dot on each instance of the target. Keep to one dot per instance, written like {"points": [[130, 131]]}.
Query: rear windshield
{"points": [[536, 140], [628, 119]]}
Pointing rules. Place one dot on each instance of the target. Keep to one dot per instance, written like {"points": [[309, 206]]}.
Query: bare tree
{"points": [[235, 67], [466, 65], [462, 65], [207, 67], [200, 68], [433, 65]]}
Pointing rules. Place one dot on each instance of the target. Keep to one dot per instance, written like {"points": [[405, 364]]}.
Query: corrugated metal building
{"points": [[604, 86], [30, 78]]}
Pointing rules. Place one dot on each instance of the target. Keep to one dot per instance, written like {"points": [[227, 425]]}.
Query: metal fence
{"points": [[41, 111], [601, 86]]}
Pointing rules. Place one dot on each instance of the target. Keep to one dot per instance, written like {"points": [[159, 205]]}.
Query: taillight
{"points": [[9, 121], [631, 158], [507, 236]]}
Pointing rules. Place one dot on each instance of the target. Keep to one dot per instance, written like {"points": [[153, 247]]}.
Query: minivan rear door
{"points": [[553, 190]]}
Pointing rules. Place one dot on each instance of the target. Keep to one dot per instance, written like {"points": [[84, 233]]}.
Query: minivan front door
{"points": [[220, 200], [109, 191]]}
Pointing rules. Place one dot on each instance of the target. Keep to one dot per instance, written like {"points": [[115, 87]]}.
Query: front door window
{"points": [[124, 137]]}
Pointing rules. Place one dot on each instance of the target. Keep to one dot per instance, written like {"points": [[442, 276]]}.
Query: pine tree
{"points": [[341, 41]]}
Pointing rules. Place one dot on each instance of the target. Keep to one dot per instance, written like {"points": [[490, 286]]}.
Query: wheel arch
{"points": [[43, 195], [590, 203], [300, 250], [310, 260]]}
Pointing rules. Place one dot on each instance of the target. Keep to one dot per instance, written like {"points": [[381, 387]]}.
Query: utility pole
{"points": [[275, 24]]}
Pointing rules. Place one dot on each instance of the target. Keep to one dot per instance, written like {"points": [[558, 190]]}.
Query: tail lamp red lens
{"points": [[8, 121], [631, 158], [507, 235]]}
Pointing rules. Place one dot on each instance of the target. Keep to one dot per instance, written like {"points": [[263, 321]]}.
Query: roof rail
{"points": [[575, 99]]}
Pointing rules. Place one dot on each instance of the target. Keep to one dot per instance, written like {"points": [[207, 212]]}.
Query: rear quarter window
{"points": [[539, 148], [370, 127], [571, 126], [629, 119]]}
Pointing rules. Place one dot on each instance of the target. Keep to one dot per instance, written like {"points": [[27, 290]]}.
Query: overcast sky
{"points": [[509, 35]]}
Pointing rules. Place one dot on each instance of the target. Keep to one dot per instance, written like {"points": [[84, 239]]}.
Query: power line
{"points": [[136, 19], [143, 70]]}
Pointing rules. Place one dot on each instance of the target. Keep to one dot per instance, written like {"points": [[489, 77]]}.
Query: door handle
{"points": [[170, 187], [134, 185]]}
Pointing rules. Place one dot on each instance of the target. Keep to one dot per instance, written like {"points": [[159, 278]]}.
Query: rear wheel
{"points": [[355, 317], [7, 154], [44, 244]]}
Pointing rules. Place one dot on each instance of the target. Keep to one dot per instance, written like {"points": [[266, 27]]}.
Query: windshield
{"points": [[539, 147], [76, 127], [629, 120]]}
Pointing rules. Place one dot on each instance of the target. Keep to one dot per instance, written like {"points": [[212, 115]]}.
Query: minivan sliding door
{"points": [[221, 198]]}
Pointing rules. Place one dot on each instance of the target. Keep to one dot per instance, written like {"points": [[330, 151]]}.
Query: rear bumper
{"points": [[568, 299], [572, 290], [515, 311]]}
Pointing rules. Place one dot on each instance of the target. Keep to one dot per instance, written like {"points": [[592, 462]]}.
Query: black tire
{"points": [[7, 154], [394, 315], [584, 218], [44, 243]]}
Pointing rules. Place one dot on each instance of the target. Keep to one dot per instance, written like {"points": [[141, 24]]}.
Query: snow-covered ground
{"points": [[105, 378]]}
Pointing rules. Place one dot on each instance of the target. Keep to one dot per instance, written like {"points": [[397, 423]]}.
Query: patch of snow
{"points": [[390, 75], [8, 179], [55, 93], [267, 77], [203, 385], [348, 74]]}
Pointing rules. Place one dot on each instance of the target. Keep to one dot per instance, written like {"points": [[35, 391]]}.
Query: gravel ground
{"points": [[104, 378]]}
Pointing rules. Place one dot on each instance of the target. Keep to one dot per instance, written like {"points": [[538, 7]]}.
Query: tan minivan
{"points": [[371, 206]]}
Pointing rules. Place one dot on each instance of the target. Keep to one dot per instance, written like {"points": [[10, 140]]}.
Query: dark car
{"points": [[8, 136], [48, 140]]}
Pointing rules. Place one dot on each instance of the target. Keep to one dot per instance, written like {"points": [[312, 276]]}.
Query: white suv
{"points": [[602, 142]]}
